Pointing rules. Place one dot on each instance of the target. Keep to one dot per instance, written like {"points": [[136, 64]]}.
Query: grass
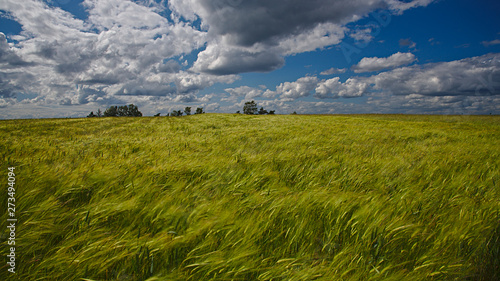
{"points": [[236, 197]]}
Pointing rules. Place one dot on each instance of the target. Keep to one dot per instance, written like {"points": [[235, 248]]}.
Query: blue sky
{"points": [[65, 58]]}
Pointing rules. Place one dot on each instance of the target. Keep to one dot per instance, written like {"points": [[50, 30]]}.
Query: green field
{"points": [[238, 197]]}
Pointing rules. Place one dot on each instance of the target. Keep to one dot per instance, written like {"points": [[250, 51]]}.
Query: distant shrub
{"points": [[122, 111], [176, 113]]}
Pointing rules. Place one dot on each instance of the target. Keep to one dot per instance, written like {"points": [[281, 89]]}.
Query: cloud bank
{"points": [[477, 76]]}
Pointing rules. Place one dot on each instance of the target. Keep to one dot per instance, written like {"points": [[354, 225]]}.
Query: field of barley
{"points": [[239, 197]]}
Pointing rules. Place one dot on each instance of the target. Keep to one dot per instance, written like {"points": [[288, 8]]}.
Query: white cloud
{"points": [[242, 41], [108, 14], [38, 19], [298, 89], [119, 50], [191, 82], [473, 80], [269, 94], [245, 91], [245, 23], [421, 104], [491, 43], [8, 56], [469, 86], [401, 6], [324, 34], [362, 35], [333, 88], [471, 76], [126, 51], [376, 64], [333, 71], [182, 8]]}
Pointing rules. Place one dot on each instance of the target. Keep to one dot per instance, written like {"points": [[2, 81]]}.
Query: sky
{"points": [[66, 58]]}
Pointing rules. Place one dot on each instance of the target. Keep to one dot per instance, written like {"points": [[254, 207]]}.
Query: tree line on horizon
{"points": [[250, 108], [187, 111], [118, 111], [132, 111]]}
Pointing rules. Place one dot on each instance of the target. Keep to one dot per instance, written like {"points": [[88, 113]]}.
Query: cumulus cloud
{"points": [[192, 82], [169, 66], [324, 34], [259, 33], [221, 59], [245, 23], [38, 19], [333, 88], [470, 76], [8, 57], [298, 89], [401, 6], [124, 40], [476, 76], [245, 91], [333, 71], [130, 51], [362, 35], [376, 64], [470, 86], [421, 104], [7, 89], [491, 43], [123, 48]]}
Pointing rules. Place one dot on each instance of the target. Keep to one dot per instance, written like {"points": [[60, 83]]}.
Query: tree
{"points": [[238, 112], [92, 114], [99, 113], [134, 110], [122, 111], [130, 111], [176, 113], [187, 110], [111, 111], [199, 110], [157, 115], [262, 111], [271, 112], [250, 107]]}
